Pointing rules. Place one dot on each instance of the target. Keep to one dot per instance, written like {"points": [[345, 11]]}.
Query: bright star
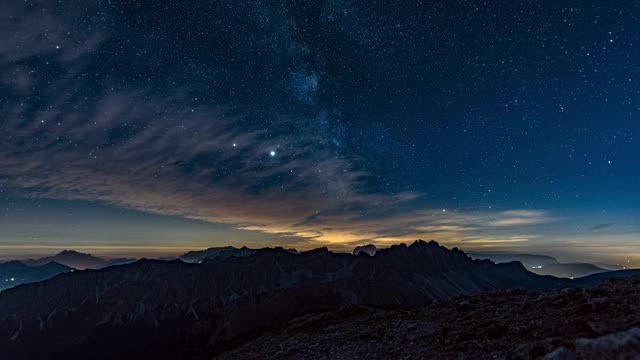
{"points": [[272, 153]]}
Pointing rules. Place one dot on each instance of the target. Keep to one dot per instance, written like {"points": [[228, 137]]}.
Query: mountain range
{"points": [[539, 264], [547, 265], [78, 260], [172, 309], [16, 272], [225, 297]]}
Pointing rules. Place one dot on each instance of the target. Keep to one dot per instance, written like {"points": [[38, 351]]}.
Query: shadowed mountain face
{"points": [[157, 309], [13, 273]]}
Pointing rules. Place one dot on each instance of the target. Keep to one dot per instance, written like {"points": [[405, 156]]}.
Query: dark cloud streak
{"points": [[75, 134]]}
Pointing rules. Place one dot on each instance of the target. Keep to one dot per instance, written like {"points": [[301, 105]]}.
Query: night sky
{"points": [[153, 127]]}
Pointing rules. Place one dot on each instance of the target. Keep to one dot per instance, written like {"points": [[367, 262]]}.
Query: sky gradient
{"points": [[148, 128]]}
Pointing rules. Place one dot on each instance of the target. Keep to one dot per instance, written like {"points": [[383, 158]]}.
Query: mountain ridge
{"points": [[214, 303]]}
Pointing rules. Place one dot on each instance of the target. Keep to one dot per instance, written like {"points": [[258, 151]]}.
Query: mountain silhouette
{"points": [[176, 310], [71, 258], [170, 306], [78, 260], [547, 265]]}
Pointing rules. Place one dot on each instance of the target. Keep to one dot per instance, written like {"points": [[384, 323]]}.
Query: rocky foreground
{"points": [[573, 323]]}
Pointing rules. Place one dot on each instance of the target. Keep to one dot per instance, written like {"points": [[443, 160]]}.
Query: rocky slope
{"points": [[573, 323], [169, 310]]}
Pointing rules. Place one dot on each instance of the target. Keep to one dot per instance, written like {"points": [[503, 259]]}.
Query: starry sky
{"points": [[156, 127]]}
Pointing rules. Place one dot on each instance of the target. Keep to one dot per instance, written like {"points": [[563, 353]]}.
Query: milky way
{"points": [[320, 123]]}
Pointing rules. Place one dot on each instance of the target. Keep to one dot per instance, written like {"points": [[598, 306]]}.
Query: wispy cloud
{"points": [[67, 135], [152, 152], [521, 218]]}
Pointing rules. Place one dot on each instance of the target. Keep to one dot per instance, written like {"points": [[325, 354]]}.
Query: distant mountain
{"points": [[170, 310], [219, 254], [78, 260], [367, 249], [14, 273], [597, 278], [570, 270], [528, 260], [74, 259], [546, 265]]}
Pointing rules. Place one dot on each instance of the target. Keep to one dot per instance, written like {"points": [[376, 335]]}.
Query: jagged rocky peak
{"points": [[421, 248], [166, 299]]}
